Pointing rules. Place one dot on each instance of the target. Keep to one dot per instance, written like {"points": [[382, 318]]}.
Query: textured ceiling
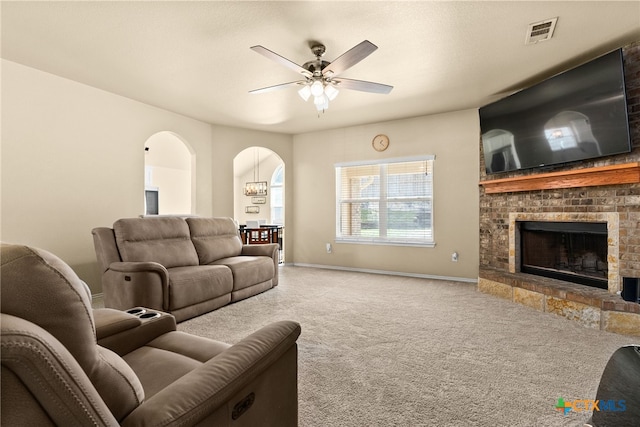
{"points": [[193, 58]]}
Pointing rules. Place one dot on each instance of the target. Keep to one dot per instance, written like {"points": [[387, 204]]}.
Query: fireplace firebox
{"points": [[571, 251]]}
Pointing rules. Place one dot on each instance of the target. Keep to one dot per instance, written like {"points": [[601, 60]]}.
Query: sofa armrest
{"points": [[131, 284], [122, 332], [268, 249], [112, 322], [42, 380], [271, 250], [264, 365], [134, 267]]}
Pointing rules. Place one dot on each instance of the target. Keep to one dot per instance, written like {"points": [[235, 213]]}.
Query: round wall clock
{"points": [[380, 142]]}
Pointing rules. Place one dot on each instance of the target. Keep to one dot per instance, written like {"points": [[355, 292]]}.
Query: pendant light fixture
{"points": [[256, 187]]}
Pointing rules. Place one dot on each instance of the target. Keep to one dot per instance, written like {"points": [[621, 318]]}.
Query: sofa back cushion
{"points": [[164, 240], [214, 238]]}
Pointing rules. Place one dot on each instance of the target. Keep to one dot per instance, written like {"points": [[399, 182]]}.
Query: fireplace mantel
{"points": [[604, 175]]}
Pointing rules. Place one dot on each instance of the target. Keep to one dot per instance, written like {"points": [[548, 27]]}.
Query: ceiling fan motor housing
{"points": [[315, 67], [318, 50]]}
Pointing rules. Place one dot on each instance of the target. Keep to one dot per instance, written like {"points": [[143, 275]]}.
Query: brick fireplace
{"points": [[605, 190]]}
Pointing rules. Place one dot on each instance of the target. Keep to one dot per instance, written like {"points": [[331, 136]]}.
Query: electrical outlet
{"points": [[454, 257], [329, 249]]}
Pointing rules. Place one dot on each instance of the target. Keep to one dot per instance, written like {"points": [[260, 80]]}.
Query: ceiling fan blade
{"points": [[277, 87], [362, 86], [350, 58], [281, 60]]}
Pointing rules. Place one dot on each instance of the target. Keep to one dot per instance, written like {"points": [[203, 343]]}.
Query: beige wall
{"points": [[174, 193], [451, 137], [73, 159]]}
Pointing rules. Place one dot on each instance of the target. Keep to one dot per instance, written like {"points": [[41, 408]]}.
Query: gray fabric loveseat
{"points": [[185, 267]]}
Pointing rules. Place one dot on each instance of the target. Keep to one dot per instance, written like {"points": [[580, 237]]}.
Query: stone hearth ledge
{"points": [[591, 307]]}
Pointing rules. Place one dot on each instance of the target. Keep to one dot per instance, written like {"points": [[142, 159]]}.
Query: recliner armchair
{"points": [[65, 364], [618, 394]]}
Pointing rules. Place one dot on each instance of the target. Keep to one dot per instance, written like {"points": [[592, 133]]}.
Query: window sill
{"points": [[385, 242]]}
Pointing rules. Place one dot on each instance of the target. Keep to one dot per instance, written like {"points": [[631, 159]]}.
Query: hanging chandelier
{"points": [[256, 187]]}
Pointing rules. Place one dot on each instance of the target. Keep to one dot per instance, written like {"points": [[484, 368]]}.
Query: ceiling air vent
{"points": [[540, 31]]}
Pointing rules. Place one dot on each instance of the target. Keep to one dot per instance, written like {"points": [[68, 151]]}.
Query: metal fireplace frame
{"points": [[610, 218]]}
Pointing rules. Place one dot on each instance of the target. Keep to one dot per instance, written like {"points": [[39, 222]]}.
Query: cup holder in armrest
{"points": [[133, 327], [149, 315], [144, 313]]}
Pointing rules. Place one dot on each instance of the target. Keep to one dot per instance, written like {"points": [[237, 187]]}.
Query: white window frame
{"points": [[428, 242], [273, 204]]}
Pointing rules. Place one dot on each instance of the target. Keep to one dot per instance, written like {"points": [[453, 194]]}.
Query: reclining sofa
{"points": [[65, 364], [186, 267]]}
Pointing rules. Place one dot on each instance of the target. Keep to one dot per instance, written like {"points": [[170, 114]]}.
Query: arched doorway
{"points": [[168, 175], [263, 166]]}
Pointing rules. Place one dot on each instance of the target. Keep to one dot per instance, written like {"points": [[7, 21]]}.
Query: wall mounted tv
{"points": [[576, 115]]}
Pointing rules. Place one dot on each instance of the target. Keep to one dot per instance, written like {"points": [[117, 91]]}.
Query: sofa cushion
{"points": [[164, 240], [214, 238], [193, 285], [248, 270]]}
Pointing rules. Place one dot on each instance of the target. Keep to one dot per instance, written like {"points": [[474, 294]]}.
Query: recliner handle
{"points": [[243, 406]]}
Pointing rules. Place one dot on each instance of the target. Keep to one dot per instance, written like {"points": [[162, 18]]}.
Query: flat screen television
{"points": [[576, 115]]}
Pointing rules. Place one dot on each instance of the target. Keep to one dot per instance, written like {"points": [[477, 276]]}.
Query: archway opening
{"points": [[264, 166], [168, 175]]}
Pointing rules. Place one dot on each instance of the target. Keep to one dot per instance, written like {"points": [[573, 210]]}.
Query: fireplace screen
{"points": [[571, 251]]}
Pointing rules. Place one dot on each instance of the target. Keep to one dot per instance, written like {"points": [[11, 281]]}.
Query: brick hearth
{"points": [[592, 307]]}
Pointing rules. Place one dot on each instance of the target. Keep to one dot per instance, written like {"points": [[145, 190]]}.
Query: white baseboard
{"points": [[389, 273]]}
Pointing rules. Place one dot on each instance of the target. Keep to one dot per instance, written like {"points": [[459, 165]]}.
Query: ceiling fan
{"points": [[321, 77]]}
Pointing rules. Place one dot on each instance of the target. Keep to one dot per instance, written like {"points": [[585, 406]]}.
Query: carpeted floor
{"points": [[380, 350]]}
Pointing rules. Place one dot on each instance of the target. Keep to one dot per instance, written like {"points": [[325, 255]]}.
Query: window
{"points": [[385, 203], [277, 201]]}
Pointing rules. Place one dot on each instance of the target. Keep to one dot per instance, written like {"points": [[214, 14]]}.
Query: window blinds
{"points": [[385, 202]]}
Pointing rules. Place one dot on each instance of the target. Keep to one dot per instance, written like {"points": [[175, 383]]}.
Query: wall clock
{"points": [[380, 142]]}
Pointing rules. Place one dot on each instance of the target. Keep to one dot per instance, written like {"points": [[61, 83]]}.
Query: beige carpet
{"points": [[392, 351]]}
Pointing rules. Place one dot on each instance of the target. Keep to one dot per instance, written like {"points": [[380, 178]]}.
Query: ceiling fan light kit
{"points": [[322, 92], [317, 88], [305, 92], [331, 92], [320, 77]]}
